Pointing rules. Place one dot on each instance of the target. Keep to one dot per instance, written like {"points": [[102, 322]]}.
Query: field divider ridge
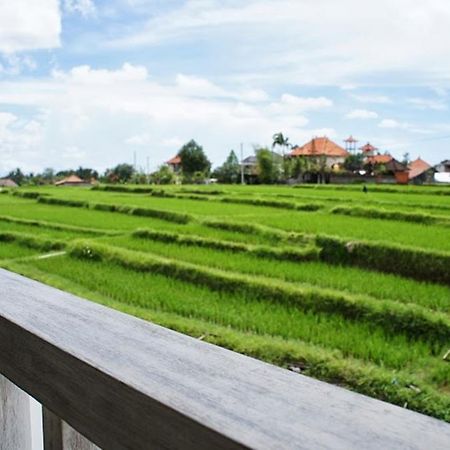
{"points": [[378, 213], [32, 241], [416, 263], [169, 216], [396, 386], [58, 226], [412, 320], [308, 253]]}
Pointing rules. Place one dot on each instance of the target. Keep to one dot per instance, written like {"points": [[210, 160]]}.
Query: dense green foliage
{"points": [[193, 159]]}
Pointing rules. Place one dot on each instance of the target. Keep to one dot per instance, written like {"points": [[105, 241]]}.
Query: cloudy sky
{"points": [[90, 82]]}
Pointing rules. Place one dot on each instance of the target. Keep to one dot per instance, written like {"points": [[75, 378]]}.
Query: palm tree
{"points": [[280, 140], [283, 142]]}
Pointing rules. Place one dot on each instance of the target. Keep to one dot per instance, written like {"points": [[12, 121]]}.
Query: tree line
{"points": [[266, 167]]}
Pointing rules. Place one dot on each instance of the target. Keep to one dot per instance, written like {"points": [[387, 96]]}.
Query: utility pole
{"points": [[242, 163], [148, 170], [134, 161]]}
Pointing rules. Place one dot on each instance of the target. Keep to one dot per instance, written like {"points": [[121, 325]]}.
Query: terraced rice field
{"points": [[347, 287]]}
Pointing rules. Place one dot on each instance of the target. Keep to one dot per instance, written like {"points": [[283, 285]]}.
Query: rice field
{"points": [[347, 287]]}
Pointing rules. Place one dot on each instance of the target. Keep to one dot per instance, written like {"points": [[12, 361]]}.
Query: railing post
{"points": [[58, 435], [72, 440], [15, 419], [52, 430]]}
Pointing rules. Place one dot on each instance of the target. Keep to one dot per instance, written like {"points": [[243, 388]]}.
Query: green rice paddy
{"points": [[248, 270]]}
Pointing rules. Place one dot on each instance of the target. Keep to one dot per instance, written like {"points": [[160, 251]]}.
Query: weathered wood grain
{"points": [[15, 419], [58, 435], [128, 384], [52, 430]]}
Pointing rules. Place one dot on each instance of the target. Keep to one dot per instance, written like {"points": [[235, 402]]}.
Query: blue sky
{"points": [[90, 82]]}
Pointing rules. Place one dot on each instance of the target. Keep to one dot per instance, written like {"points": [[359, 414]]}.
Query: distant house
{"points": [[443, 166], [249, 166], [368, 150], [385, 166], [7, 182], [378, 159], [175, 164], [421, 172], [72, 180], [322, 148]]}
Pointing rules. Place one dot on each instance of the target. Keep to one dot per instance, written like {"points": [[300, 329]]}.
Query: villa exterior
{"points": [[322, 148], [7, 182], [175, 164], [421, 172], [72, 180]]}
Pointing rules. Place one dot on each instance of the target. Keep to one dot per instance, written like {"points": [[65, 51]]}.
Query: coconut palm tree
{"points": [[283, 142]]}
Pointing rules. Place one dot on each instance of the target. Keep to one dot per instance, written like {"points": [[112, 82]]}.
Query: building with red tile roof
{"points": [[321, 147], [175, 164], [7, 182], [420, 171], [72, 180], [378, 159], [368, 149]]}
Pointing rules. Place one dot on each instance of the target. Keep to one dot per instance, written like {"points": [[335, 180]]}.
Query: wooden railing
{"points": [[123, 383]]}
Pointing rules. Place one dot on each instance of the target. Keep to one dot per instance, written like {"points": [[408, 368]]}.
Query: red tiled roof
{"points": [[379, 159], [174, 160], [368, 148], [351, 140], [418, 167], [73, 179], [7, 182], [320, 146]]}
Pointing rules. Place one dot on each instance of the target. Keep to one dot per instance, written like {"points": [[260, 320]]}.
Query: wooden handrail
{"points": [[125, 383]]}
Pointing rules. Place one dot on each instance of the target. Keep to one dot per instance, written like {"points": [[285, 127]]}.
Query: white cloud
{"points": [[173, 142], [98, 110], [313, 42], [19, 139], [74, 154], [392, 123], [138, 139], [29, 25], [86, 75], [361, 114], [395, 124], [15, 65], [84, 7], [370, 98], [292, 104], [426, 103], [197, 86]]}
